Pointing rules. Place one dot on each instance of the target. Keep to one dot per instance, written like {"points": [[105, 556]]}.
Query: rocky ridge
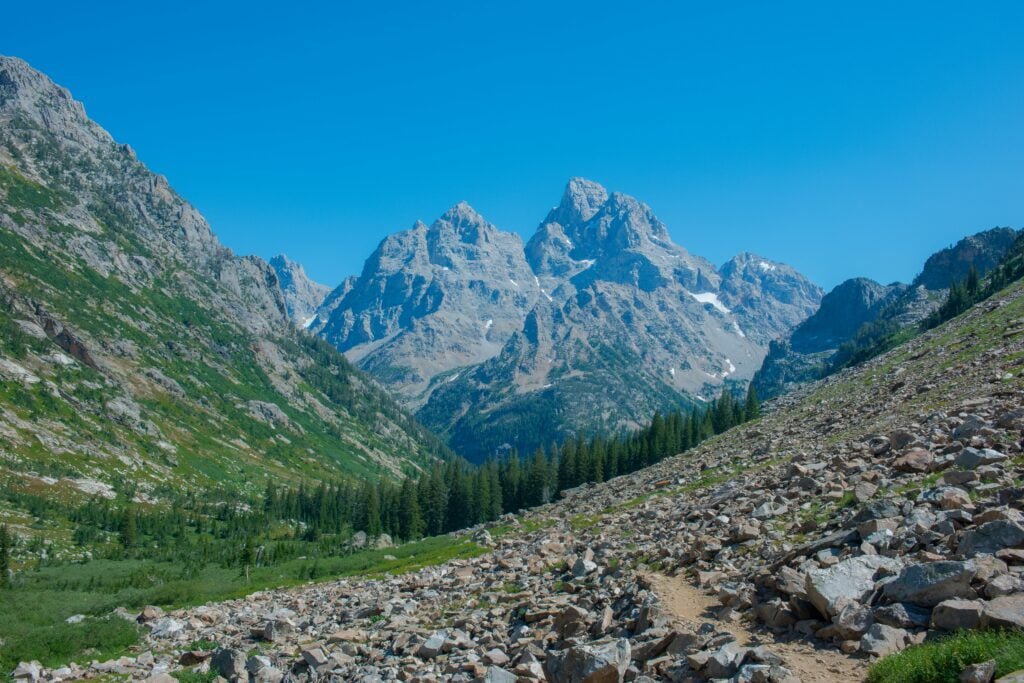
{"points": [[861, 515], [136, 350], [494, 344], [854, 307]]}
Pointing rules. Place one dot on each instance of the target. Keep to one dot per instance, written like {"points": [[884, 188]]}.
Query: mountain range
{"points": [[859, 315], [594, 324]]}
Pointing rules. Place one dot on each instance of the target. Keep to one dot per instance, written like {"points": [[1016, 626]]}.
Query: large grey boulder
{"points": [[601, 662], [229, 663], [848, 581], [1004, 612], [991, 537], [956, 615], [930, 583], [971, 458], [882, 640]]}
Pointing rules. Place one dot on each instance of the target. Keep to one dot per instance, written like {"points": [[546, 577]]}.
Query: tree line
{"points": [[196, 529], [454, 495]]}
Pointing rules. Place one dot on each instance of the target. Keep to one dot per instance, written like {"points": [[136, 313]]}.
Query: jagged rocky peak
{"points": [[596, 236], [431, 300], [769, 297], [35, 96], [302, 295]]}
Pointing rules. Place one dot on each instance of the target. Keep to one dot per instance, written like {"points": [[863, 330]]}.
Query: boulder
{"points": [[929, 583], [954, 615], [600, 662], [852, 622], [915, 460], [970, 458], [882, 640], [979, 673], [848, 581], [229, 663], [1004, 612], [991, 537], [495, 674]]}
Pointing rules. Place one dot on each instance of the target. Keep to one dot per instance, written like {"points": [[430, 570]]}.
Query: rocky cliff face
{"points": [[861, 308], [982, 250], [302, 296], [600, 320], [132, 341], [431, 300]]}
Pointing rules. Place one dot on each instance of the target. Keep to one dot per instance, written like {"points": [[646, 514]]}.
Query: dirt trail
{"points": [[692, 606]]}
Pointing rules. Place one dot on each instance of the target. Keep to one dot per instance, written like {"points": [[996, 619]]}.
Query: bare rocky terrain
{"points": [[867, 513]]}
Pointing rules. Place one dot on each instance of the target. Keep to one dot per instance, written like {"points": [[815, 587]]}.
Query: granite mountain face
{"points": [[859, 310], [598, 321], [431, 300], [302, 296], [138, 351]]}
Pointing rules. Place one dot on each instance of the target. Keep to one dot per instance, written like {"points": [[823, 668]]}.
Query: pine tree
{"points": [[752, 408], [410, 517], [5, 557], [127, 529], [973, 282]]}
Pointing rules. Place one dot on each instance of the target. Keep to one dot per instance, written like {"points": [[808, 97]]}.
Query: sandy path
{"points": [[692, 606]]}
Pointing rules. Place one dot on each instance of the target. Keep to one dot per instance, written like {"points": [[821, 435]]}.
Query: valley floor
{"points": [[873, 511]]}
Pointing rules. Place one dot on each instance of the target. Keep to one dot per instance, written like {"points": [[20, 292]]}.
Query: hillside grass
{"points": [[942, 661], [33, 614]]}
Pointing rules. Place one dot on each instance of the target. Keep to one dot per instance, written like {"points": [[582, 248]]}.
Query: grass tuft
{"points": [[941, 661]]}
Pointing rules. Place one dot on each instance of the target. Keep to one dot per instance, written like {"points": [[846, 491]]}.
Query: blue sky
{"points": [[845, 140]]}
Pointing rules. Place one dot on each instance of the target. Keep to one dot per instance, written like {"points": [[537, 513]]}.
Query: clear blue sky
{"points": [[846, 140]]}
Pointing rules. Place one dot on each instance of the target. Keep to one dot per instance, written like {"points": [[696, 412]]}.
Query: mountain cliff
{"points": [[860, 313], [302, 296], [139, 355], [592, 326]]}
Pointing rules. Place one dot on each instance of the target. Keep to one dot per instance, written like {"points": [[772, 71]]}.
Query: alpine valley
{"points": [[487, 461]]}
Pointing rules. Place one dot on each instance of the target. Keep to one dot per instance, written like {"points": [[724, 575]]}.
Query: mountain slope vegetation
{"points": [[138, 356]]}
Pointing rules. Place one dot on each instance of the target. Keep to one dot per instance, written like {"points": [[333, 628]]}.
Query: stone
{"points": [[1004, 612], [848, 581], [953, 615], [432, 646], [915, 460], [852, 622], [495, 674], [979, 673], [229, 663], [971, 458], [929, 583], [991, 537], [882, 640], [725, 661], [600, 662], [903, 615]]}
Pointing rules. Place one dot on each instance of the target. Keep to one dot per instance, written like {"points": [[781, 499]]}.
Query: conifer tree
{"points": [[5, 556], [410, 517], [127, 529], [752, 408]]}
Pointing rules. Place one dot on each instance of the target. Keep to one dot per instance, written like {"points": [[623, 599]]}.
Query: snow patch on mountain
{"points": [[710, 298]]}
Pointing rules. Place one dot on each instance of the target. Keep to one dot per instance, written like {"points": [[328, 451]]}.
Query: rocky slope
{"points": [[860, 307], [862, 514], [597, 323], [138, 354], [302, 296]]}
